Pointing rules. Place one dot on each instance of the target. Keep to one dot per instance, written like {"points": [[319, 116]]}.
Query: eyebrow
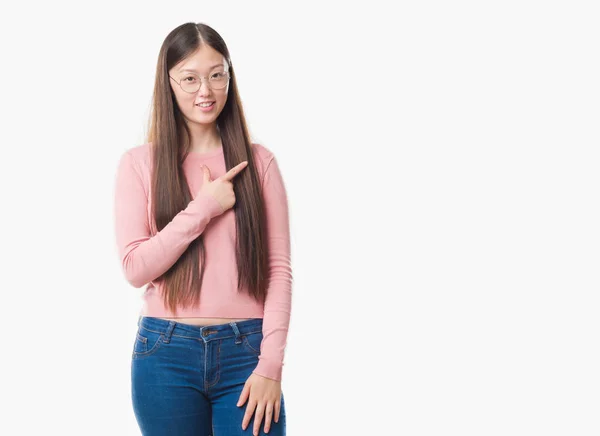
{"points": [[195, 71]]}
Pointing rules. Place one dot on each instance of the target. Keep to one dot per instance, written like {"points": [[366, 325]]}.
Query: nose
{"points": [[204, 88]]}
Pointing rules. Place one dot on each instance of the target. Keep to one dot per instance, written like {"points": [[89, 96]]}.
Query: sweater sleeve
{"points": [[144, 257], [277, 307]]}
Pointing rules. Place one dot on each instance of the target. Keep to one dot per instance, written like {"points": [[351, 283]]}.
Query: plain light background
{"points": [[441, 163]]}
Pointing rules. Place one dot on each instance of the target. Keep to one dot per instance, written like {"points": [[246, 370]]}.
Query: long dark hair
{"points": [[170, 143]]}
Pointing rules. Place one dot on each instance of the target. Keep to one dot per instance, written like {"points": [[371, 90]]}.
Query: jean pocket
{"points": [[252, 342], [146, 342]]}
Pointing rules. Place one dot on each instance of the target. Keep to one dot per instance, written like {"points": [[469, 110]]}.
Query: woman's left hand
{"points": [[265, 396]]}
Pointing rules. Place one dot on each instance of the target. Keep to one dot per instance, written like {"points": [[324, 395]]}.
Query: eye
{"points": [[193, 79], [218, 75]]}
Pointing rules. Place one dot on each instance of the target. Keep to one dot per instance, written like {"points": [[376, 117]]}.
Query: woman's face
{"points": [[205, 62]]}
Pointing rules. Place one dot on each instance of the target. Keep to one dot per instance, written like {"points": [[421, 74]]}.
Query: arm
{"points": [[145, 257], [278, 304]]}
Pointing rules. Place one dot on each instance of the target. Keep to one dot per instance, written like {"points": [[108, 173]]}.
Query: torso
{"points": [[206, 321]]}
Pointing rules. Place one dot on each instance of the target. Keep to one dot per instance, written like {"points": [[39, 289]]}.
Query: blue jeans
{"points": [[186, 379]]}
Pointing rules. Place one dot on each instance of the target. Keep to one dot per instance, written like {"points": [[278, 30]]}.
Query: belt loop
{"points": [[234, 326], [169, 331]]}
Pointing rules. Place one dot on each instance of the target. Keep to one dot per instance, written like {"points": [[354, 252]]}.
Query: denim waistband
{"points": [[220, 331]]}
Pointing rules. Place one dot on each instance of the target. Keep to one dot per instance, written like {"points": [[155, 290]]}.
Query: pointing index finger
{"points": [[229, 175]]}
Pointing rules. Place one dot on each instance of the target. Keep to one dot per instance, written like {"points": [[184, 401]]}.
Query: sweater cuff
{"points": [[208, 204], [269, 369]]}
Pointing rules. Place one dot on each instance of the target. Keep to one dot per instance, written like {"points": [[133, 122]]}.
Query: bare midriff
{"points": [[206, 321]]}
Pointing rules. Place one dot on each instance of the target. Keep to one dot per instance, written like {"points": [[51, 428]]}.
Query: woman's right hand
{"points": [[222, 187]]}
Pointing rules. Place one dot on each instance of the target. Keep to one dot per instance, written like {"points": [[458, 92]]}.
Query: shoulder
{"points": [[134, 166], [262, 152], [262, 156], [138, 157], [141, 154]]}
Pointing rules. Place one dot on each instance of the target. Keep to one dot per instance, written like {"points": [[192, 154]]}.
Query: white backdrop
{"points": [[441, 162]]}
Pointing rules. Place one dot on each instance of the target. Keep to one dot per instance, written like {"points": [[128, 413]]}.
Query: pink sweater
{"points": [[146, 254]]}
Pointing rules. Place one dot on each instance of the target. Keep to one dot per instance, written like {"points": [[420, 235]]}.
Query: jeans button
{"points": [[205, 333]]}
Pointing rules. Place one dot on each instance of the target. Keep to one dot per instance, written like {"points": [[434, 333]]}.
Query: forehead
{"points": [[201, 61]]}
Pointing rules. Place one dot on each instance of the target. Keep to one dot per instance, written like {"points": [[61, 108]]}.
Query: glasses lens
{"points": [[218, 80], [191, 82]]}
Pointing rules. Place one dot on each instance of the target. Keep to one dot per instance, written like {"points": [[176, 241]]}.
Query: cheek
{"points": [[184, 102], [222, 100]]}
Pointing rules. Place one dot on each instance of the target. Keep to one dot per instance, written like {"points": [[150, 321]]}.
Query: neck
{"points": [[204, 138]]}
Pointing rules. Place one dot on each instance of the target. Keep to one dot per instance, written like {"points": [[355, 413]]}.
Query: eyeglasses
{"points": [[191, 82]]}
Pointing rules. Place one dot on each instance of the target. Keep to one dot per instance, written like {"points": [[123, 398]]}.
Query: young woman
{"points": [[201, 219]]}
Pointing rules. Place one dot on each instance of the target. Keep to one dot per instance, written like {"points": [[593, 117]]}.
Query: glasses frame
{"points": [[202, 78]]}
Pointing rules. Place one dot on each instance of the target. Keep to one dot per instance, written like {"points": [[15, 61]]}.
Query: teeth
{"points": [[204, 104]]}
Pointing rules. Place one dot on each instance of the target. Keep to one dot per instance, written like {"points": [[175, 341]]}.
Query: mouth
{"points": [[205, 105]]}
